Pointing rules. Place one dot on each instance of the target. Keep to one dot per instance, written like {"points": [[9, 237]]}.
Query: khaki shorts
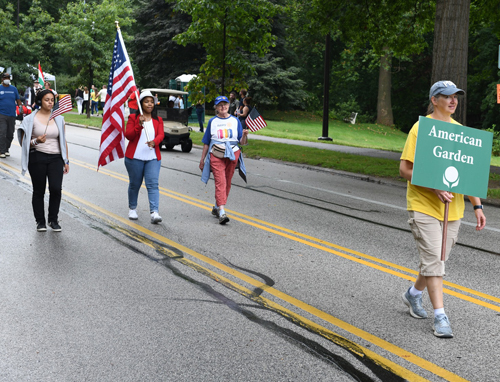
{"points": [[427, 232]]}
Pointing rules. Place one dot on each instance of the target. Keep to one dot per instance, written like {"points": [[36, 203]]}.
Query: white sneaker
{"points": [[132, 215], [155, 217]]}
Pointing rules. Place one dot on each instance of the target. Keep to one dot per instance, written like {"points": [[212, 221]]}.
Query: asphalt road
{"points": [[303, 284]]}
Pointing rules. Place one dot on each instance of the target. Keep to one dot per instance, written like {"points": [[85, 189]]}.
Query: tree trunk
{"points": [[384, 104], [451, 40]]}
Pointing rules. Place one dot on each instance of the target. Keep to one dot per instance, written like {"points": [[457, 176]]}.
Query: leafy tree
{"points": [[276, 87], [158, 57], [394, 29], [24, 45], [227, 31], [85, 36]]}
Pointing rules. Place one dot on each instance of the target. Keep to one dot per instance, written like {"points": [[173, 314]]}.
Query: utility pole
{"points": [[326, 89]]}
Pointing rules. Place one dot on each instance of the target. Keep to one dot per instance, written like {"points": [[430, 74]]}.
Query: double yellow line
{"points": [[349, 254], [307, 240]]}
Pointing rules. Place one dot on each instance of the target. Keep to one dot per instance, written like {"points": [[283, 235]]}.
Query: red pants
{"points": [[223, 170]]}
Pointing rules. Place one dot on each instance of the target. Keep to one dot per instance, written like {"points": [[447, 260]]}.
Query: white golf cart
{"points": [[175, 122]]}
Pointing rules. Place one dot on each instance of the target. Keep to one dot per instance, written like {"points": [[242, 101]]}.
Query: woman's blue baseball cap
{"points": [[444, 88], [220, 99]]}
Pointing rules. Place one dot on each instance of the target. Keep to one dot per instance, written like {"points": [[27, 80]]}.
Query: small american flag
{"points": [[120, 85], [62, 106], [254, 121]]}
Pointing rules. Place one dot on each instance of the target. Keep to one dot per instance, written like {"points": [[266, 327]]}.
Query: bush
{"points": [[495, 149]]}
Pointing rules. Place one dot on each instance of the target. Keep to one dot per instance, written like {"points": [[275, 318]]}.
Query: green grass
{"points": [[83, 120], [359, 164]]}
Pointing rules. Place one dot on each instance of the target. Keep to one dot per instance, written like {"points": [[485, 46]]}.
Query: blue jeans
{"points": [[94, 109], [149, 171]]}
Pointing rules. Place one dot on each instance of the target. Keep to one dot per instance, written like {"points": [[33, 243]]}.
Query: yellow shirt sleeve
{"points": [[422, 199]]}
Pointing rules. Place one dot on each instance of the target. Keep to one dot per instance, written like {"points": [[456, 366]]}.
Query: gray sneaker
{"points": [[223, 219], [415, 304], [442, 326]]}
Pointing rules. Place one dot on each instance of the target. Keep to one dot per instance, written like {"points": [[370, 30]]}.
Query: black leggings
{"points": [[41, 167], [85, 107]]}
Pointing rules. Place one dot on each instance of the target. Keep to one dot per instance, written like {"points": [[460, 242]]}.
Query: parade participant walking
{"points": [[426, 211], [221, 139], [9, 96], [143, 157], [45, 156]]}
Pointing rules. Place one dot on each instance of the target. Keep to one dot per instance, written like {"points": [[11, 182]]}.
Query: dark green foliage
{"points": [[276, 87], [158, 57]]}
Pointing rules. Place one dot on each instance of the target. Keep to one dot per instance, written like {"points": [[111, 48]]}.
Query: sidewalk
{"points": [[345, 149]]}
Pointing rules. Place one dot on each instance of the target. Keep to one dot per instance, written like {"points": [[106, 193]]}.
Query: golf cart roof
{"points": [[166, 91]]}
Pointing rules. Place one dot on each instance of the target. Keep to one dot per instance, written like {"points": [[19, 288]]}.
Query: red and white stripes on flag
{"points": [[120, 85], [254, 121], [62, 106]]}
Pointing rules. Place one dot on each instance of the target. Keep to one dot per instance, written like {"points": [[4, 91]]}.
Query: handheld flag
{"points": [[41, 78], [254, 121], [62, 106], [121, 85]]}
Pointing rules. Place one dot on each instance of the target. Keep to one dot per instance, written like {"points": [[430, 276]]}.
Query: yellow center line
{"points": [[395, 368], [287, 233], [406, 355]]}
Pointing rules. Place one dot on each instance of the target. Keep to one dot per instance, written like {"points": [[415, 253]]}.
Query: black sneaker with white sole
{"points": [[41, 227], [55, 226]]}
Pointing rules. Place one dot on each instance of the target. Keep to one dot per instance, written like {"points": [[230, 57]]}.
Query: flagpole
{"points": [[136, 94]]}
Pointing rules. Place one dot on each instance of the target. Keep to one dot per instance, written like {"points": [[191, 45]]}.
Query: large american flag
{"points": [[254, 121], [120, 85], [62, 106]]}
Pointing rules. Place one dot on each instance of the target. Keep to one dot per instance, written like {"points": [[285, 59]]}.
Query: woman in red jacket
{"points": [[142, 157]]}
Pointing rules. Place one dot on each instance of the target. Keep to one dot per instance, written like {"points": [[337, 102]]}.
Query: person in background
{"points": [[426, 214], [247, 108], [94, 96], [243, 94], [45, 155], [132, 103], [9, 97], [179, 103], [86, 100], [79, 99], [143, 157], [48, 87], [221, 154], [29, 97], [171, 101], [157, 102], [102, 96], [200, 109], [233, 103]]}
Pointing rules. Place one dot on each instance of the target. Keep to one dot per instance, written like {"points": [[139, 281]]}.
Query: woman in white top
{"points": [[143, 157], [44, 154]]}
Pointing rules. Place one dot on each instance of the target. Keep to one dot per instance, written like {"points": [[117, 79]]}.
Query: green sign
{"points": [[452, 157]]}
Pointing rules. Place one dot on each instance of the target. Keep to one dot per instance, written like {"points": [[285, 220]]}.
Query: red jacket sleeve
{"points": [[133, 129], [159, 132]]}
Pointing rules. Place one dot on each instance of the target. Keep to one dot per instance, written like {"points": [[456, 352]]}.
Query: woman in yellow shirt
{"points": [[95, 102], [426, 210]]}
